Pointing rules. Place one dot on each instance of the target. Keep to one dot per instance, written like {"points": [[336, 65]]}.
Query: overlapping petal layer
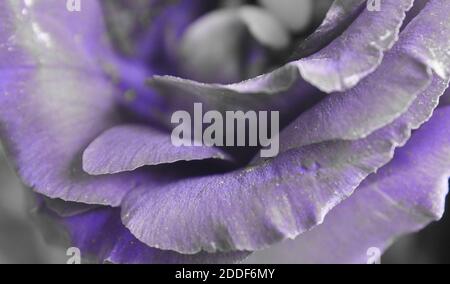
{"points": [[128, 147], [340, 15], [283, 197], [401, 198], [338, 67], [102, 238], [328, 151], [406, 71], [54, 99]]}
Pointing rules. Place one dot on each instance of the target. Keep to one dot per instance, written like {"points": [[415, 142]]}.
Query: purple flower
{"points": [[85, 104]]}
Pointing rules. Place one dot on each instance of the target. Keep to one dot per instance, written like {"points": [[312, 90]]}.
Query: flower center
{"points": [[209, 41]]}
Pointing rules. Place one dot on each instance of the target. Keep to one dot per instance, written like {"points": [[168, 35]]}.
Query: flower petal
{"points": [[128, 147], [423, 48], [402, 197], [278, 199], [54, 99], [338, 67], [286, 196], [358, 51], [102, 238]]}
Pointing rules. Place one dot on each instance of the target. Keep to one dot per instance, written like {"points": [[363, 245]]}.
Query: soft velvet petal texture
{"points": [[128, 147], [101, 237], [358, 51], [53, 98], [424, 47], [389, 92], [403, 197], [338, 67], [285, 196], [278, 199], [179, 96]]}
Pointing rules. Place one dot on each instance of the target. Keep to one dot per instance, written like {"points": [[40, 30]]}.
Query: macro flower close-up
{"points": [[228, 131]]}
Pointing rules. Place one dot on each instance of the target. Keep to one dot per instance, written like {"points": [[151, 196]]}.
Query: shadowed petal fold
{"points": [[341, 14], [274, 200], [423, 48], [286, 196], [101, 238], [128, 147], [402, 197], [338, 67]]}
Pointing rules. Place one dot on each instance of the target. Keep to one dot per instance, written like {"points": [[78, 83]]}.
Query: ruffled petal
{"points": [[346, 116], [290, 194], [423, 48], [403, 197], [101, 238], [128, 147], [338, 67], [358, 51], [54, 99], [272, 201]]}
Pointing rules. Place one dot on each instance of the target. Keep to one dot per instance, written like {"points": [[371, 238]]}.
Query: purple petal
{"points": [[128, 147], [403, 197], [423, 48], [54, 99], [101, 237], [338, 67], [358, 51], [67, 209], [260, 205], [290, 194]]}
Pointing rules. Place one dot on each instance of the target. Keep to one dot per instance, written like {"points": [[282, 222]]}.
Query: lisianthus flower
{"points": [[86, 98]]}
